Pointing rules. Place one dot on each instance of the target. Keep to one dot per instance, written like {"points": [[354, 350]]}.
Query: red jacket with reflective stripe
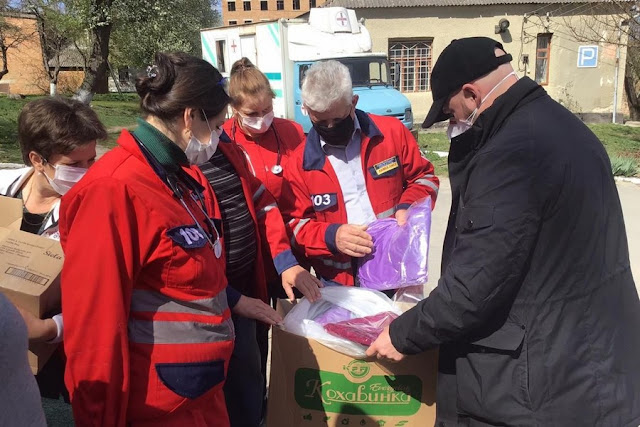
{"points": [[262, 155], [271, 232], [396, 175], [148, 334]]}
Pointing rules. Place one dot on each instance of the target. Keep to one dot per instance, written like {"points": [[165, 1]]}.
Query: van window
{"points": [[220, 53]]}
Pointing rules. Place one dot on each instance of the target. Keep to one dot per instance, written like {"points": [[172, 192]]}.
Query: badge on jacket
{"points": [[385, 168], [322, 202], [187, 236]]}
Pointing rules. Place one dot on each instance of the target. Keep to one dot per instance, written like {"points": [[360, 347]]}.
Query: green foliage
{"points": [[621, 142], [624, 166], [115, 111], [169, 25]]}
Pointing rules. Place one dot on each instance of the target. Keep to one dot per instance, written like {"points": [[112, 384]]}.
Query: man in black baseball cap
{"points": [[536, 310], [463, 61]]}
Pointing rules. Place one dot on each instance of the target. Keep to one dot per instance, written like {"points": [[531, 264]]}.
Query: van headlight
{"points": [[408, 115]]}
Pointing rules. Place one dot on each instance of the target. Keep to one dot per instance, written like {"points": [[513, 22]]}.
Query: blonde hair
{"points": [[246, 81]]}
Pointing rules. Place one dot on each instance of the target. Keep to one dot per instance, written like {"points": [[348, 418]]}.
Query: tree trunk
{"points": [[95, 75], [632, 96], [5, 69]]}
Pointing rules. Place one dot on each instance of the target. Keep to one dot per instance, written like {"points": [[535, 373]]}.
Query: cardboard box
{"points": [[29, 272], [312, 385]]}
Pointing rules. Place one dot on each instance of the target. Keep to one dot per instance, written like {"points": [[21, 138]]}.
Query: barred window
{"points": [[543, 51], [410, 63]]}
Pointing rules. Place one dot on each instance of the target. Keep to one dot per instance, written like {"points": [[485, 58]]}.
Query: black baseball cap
{"points": [[463, 61]]}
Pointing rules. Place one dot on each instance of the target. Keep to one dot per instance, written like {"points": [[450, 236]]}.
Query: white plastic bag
{"points": [[360, 302]]}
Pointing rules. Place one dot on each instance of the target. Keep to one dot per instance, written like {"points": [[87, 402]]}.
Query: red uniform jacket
{"points": [[262, 155], [148, 333], [271, 232], [396, 175]]}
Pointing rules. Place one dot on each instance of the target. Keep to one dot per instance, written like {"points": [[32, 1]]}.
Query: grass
{"points": [[621, 142], [115, 112]]}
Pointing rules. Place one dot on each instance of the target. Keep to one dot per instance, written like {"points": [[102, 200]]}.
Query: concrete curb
{"points": [[11, 166], [628, 179]]}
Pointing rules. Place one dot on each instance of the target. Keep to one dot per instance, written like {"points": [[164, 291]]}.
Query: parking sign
{"points": [[587, 56]]}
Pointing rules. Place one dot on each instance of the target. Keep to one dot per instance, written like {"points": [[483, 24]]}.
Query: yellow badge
{"points": [[386, 166]]}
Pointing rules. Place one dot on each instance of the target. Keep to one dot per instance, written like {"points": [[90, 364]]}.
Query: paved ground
{"points": [[629, 195]]}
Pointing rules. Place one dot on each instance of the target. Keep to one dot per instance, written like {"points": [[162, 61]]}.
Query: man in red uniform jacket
{"points": [[353, 169]]}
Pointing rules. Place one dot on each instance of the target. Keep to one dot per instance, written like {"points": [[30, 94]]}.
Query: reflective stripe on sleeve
{"points": [[387, 213], [428, 183], [258, 192], [337, 265], [297, 229], [266, 209]]}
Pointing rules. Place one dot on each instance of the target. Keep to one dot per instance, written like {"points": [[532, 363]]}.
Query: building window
{"points": [[231, 6], [312, 4], [233, 22], [264, 5], [246, 5], [280, 4], [248, 21], [410, 63], [296, 4], [543, 49], [220, 52]]}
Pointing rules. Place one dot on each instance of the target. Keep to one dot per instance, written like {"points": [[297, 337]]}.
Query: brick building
{"points": [[237, 12], [24, 60]]}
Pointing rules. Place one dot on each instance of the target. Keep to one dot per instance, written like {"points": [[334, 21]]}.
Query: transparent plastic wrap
{"points": [[338, 304], [400, 255]]}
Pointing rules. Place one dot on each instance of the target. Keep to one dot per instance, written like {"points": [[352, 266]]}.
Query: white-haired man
{"points": [[353, 169]]}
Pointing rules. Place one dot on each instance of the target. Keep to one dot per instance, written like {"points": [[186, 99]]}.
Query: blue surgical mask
{"points": [[459, 127]]}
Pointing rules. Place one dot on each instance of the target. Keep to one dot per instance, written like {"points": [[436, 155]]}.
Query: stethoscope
{"points": [[179, 183], [275, 169]]}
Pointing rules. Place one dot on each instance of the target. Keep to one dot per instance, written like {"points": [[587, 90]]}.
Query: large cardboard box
{"points": [[312, 385], [29, 272]]}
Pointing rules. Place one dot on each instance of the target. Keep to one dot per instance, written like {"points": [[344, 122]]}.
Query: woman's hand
{"points": [[39, 330], [253, 308], [298, 277]]}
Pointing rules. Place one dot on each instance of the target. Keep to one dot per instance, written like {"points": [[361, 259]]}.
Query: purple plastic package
{"points": [[334, 315], [399, 257]]}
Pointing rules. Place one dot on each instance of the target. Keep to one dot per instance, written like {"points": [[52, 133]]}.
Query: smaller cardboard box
{"points": [[30, 266], [312, 385]]}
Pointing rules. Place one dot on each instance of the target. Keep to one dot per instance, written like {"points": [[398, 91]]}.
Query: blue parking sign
{"points": [[587, 56]]}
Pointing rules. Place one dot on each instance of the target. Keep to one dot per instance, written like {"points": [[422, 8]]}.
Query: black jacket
{"points": [[536, 313]]}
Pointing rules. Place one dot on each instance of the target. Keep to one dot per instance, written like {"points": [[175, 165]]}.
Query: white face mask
{"points": [[64, 178], [198, 152], [461, 126], [258, 124]]}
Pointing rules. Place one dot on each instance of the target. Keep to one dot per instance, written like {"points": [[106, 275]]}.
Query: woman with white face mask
{"points": [[266, 140], [250, 215], [147, 303], [58, 141]]}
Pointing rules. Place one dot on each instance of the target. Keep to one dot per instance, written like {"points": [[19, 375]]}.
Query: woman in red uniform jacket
{"points": [[266, 141], [144, 293]]}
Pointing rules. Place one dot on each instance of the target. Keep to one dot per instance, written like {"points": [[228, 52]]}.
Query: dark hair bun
{"points": [[158, 78], [241, 65]]}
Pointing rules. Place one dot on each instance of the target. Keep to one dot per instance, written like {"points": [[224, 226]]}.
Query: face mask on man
{"points": [[64, 178], [339, 134], [461, 126], [257, 124], [198, 152]]}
